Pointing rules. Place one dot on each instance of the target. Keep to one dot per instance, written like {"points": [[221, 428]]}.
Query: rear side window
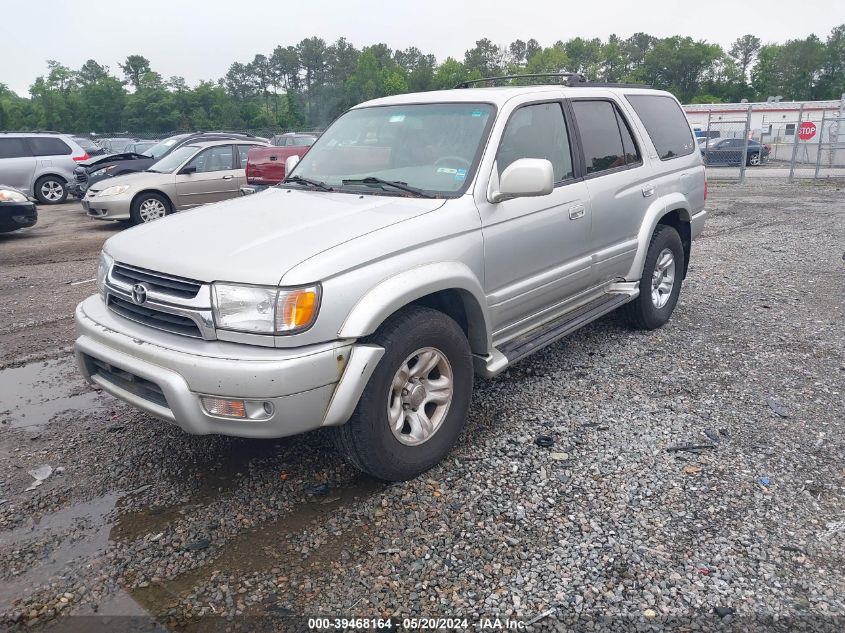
{"points": [[537, 131], [605, 137], [243, 150], [665, 123], [48, 146], [13, 148]]}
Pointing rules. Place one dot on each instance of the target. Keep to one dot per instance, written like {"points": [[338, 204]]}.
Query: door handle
{"points": [[229, 177], [648, 190], [577, 211]]}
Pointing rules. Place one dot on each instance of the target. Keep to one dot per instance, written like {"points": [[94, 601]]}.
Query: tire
{"points": [[648, 312], [51, 190], [367, 439], [148, 207], [754, 160]]}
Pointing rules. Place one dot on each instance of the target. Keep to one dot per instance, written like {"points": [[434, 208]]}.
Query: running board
{"points": [[525, 344]]}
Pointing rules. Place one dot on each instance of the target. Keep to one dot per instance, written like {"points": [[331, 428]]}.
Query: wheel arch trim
{"points": [[402, 289], [674, 202]]}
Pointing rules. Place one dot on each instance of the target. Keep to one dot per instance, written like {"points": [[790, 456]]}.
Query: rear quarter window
{"points": [[665, 123], [48, 146]]}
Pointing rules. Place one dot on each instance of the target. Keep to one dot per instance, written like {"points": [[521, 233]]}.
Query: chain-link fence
{"points": [[792, 146]]}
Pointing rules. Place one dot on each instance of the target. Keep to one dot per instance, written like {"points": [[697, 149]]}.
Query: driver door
{"points": [[215, 178]]}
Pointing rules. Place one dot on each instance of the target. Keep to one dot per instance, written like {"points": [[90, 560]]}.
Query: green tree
{"points": [[744, 50], [134, 68]]}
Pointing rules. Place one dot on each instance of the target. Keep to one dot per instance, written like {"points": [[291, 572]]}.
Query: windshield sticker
{"points": [[460, 174], [446, 170], [476, 113], [396, 118]]}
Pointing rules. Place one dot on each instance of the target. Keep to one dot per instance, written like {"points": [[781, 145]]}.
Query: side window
{"points": [[243, 150], [217, 158], [13, 148], [632, 152], [537, 131], [601, 137], [665, 123], [48, 146]]}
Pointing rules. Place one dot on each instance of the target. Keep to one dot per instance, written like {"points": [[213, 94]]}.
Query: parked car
{"points": [[293, 139], [91, 148], [39, 163], [265, 166], [115, 145], [421, 238], [92, 172], [191, 175], [728, 151], [17, 210], [139, 147]]}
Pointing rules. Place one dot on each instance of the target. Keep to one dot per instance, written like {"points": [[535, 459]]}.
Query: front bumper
{"points": [[166, 375], [108, 208], [17, 215], [77, 189]]}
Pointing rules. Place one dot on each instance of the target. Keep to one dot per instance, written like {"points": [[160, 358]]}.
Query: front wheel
{"points": [[149, 207], [754, 159], [416, 402], [660, 284]]}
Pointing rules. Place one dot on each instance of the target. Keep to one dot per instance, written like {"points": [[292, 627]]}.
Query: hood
{"points": [[137, 180], [112, 158], [256, 239]]}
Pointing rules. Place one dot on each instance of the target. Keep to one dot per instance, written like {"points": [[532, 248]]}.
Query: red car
{"points": [[265, 166]]}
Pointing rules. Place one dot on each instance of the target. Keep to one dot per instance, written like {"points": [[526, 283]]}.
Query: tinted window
{"points": [[217, 158], [600, 135], [665, 123], [632, 153], [13, 148], [537, 131], [48, 146]]}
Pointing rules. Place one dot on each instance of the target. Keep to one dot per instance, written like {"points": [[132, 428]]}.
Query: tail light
{"points": [[768, 147], [85, 156], [248, 170]]}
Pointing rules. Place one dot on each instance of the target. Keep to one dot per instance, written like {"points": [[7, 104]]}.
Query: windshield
{"points": [[174, 159], [432, 147], [162, 147]]}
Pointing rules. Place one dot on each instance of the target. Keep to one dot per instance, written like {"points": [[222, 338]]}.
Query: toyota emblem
{"points": [[139, 293]]}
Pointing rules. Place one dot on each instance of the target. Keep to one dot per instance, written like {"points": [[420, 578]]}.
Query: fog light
{"points": [[224, 407]]}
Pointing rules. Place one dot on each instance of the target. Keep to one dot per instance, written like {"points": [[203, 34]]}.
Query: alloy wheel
{"points": [[151, 209], [663, 278], [52, 190]]}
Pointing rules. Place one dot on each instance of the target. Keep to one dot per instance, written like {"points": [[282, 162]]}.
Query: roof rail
{"points": [[226, 132], [572, 80]]}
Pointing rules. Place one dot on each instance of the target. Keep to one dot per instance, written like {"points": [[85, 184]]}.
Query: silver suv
{"points": [[39, 163], [423, 238]]}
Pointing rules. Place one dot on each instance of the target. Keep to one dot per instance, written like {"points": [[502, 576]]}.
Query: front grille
{"points": [[157, 282], [127, 381], [154, 318]]}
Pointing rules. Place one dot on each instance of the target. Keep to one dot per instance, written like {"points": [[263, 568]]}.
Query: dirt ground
{"points": [[139, 519]]}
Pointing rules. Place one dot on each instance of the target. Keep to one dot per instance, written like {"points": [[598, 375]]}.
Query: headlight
{"points": [[103, 171], [113, 191], [7, 195], [265, 309], [104, 263]]}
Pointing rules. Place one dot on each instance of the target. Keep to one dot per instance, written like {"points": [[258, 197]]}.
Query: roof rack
{"points": [[571, 80], [226, 132]]}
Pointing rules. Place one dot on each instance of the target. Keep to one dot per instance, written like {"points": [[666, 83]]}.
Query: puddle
{"points": [[32, 395], [78, 532], [270, 545]]}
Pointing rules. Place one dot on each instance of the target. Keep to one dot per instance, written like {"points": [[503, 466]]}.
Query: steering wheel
{"points": [[452, 159]]}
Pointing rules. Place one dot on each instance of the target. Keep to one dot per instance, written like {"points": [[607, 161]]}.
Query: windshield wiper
{"points": [[307, 181], [397, 184]]}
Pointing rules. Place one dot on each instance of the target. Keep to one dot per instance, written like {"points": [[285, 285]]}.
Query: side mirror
{"points": [[525, 177], [290, 163], [188, 169]]}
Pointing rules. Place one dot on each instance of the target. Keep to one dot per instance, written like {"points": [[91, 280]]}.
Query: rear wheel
{"points": [[149, 207], [416, 402], [660, 284], [51, 190]]}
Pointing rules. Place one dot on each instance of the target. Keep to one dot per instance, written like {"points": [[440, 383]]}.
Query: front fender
{"points": [[660, 207], [406, 287]]}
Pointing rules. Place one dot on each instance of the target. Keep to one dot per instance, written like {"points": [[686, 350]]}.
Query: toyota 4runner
{"points": [[423, 238]]}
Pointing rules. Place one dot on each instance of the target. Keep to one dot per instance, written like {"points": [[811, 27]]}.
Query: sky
{"points": [[198, 39]]}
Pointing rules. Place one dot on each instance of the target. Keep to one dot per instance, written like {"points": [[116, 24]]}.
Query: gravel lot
{"points": [[606, 528]]}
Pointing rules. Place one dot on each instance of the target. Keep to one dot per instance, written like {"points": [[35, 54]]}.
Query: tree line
{"points": [[304, 86]]}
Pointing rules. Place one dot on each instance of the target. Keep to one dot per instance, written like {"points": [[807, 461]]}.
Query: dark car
{"points": [[90, 147], [728, 151], [93, 171], [17, 211]]}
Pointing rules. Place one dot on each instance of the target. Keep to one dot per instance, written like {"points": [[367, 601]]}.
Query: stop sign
{"points": [[806, 130]]}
